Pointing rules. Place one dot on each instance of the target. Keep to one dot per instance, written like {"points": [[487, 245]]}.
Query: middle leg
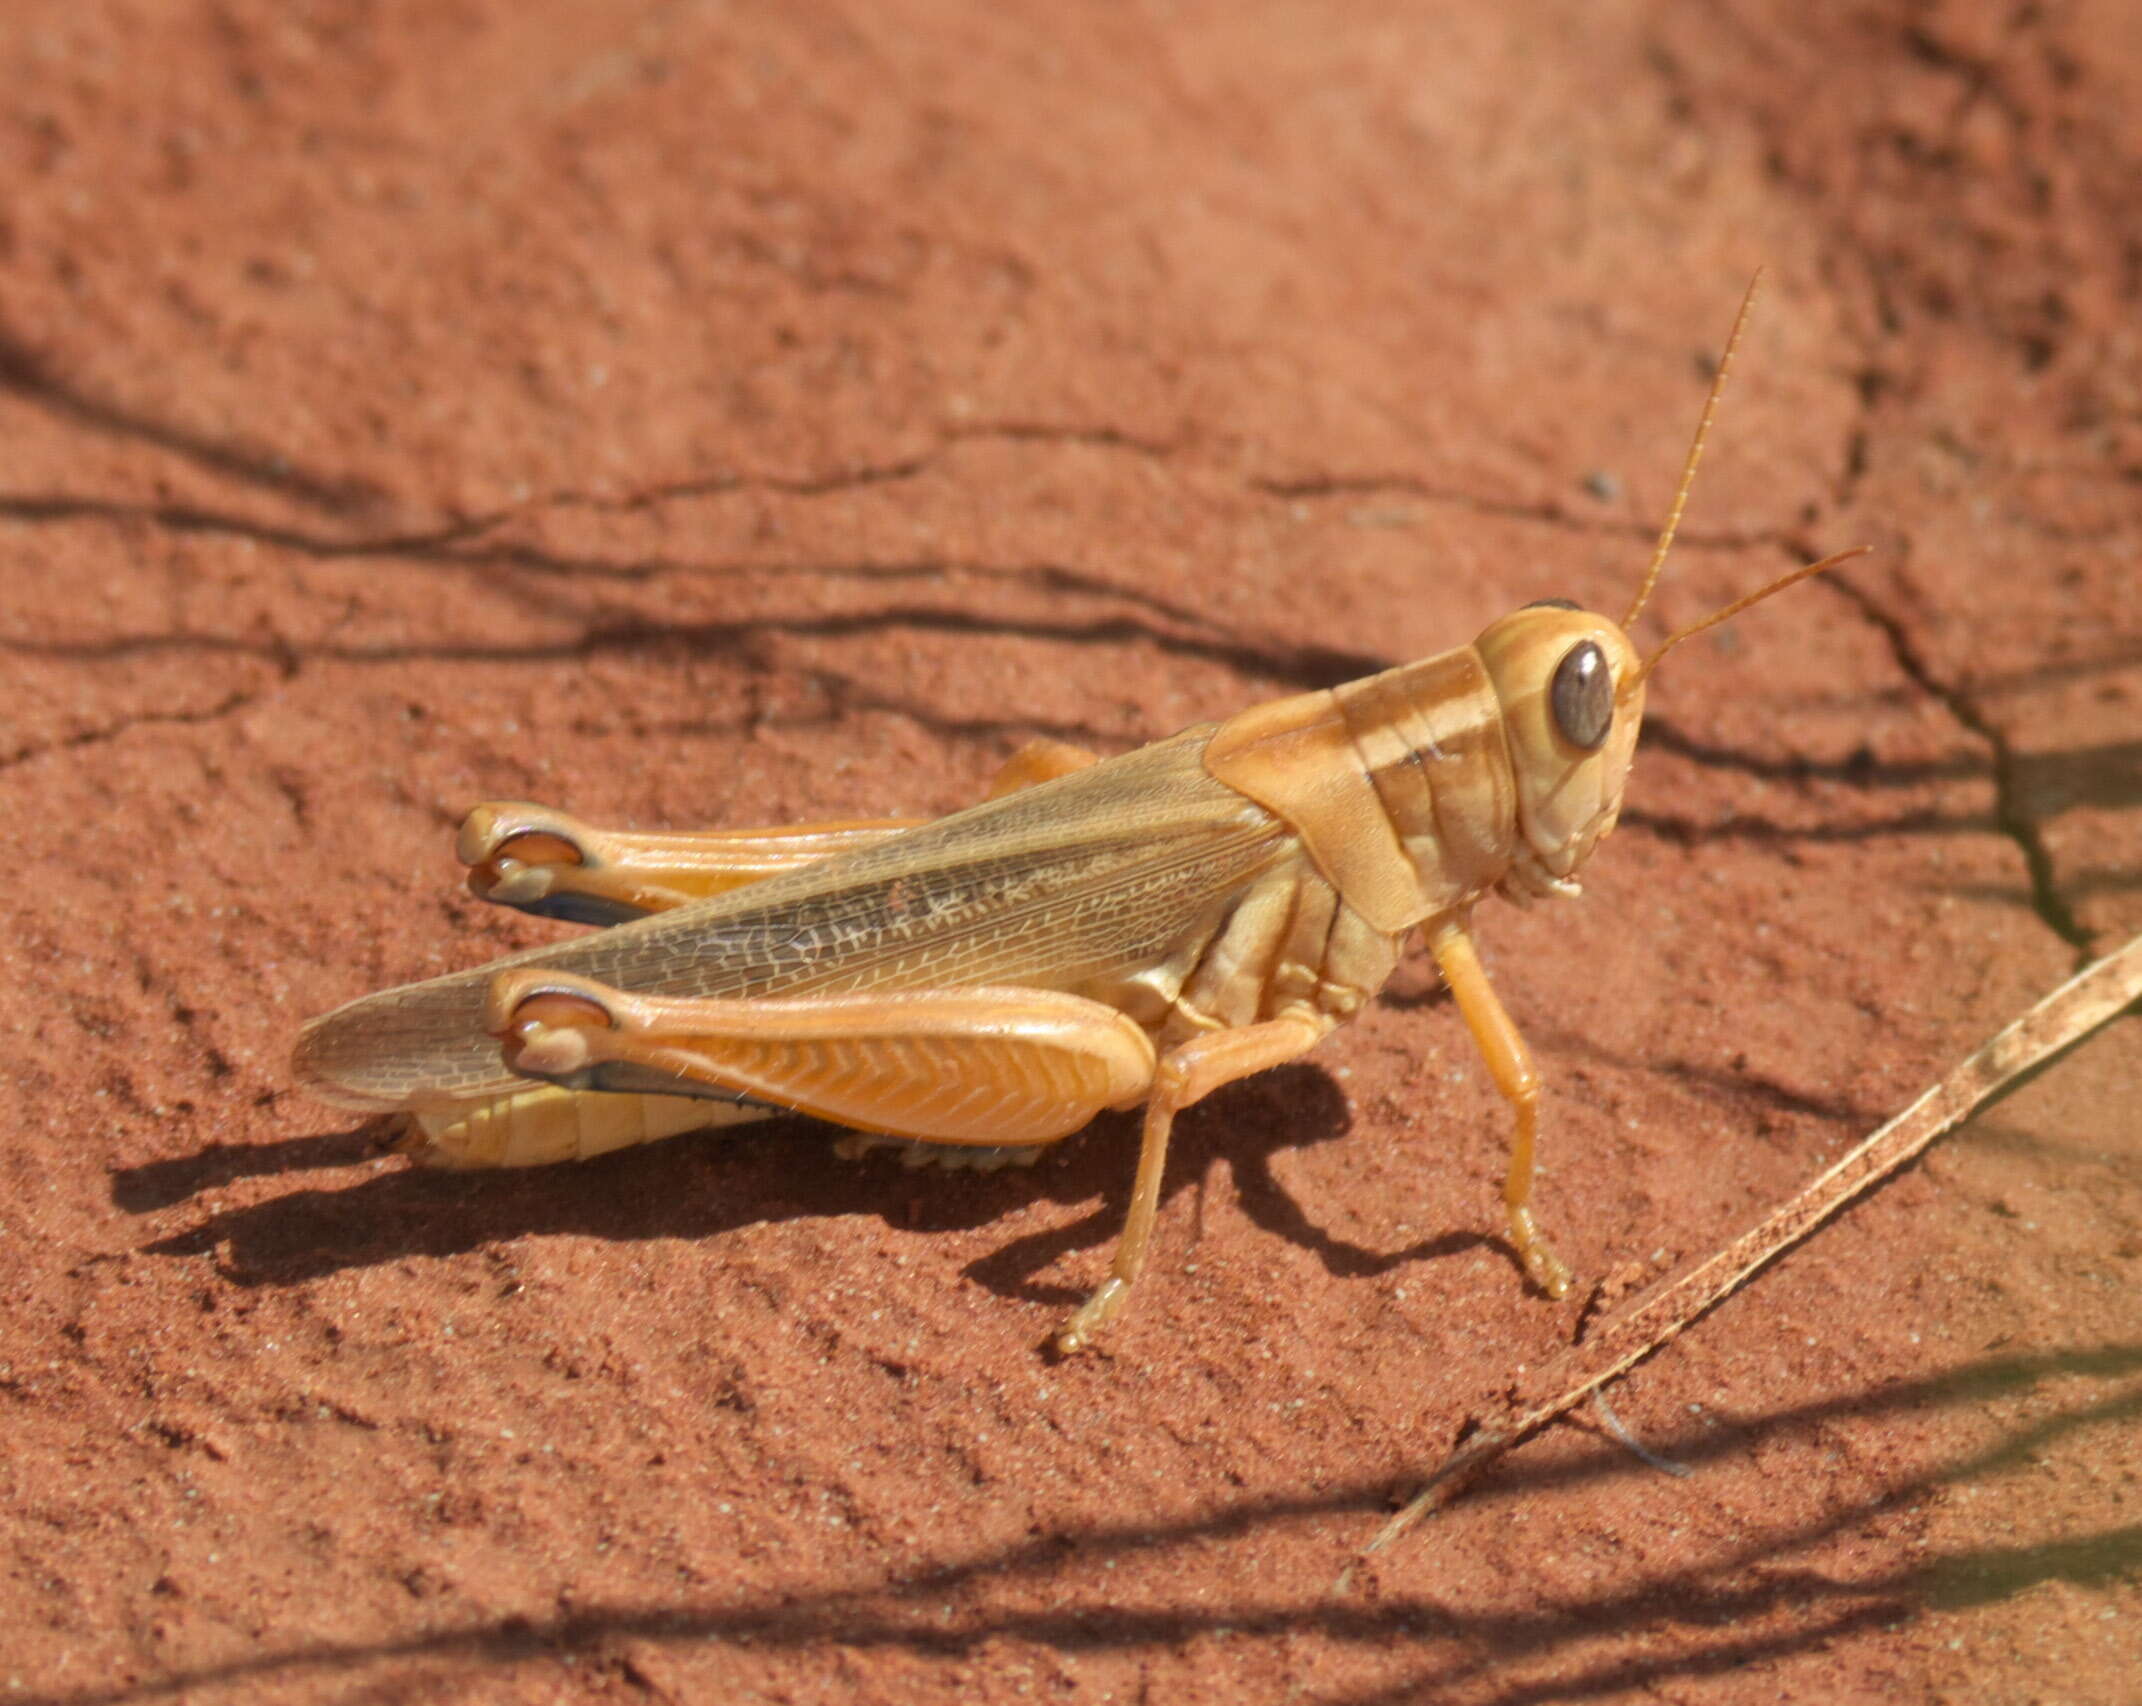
{"points": [[1187, 1074]]}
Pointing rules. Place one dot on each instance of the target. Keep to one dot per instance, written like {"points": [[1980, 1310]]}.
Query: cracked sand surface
{"points": [[686, 414]]}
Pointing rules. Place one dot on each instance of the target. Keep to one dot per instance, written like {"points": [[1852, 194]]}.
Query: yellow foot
{"points": [[1094, 1314], [1544, 1268]]}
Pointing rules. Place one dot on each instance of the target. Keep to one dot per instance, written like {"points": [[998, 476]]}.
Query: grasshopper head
{"points": [[1572, 697], [1572, 693]]}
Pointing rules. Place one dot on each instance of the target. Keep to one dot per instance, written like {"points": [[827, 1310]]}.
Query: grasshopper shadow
{"points": [[698, 1188], [164, 1184]]}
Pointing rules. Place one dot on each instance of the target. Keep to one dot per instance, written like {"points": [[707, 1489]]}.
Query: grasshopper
{"points": [[1095, 934]]}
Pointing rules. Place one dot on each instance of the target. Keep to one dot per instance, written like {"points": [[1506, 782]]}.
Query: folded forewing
{"points": [[1053, 887]]}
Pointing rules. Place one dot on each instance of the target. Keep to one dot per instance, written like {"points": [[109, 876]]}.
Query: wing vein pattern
{"points": [[1055, 887]]}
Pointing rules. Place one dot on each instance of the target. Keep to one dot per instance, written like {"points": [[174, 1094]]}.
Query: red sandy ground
{"points": [[741, 413]]}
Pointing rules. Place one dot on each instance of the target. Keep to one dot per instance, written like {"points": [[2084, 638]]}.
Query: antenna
{"points": [[1695, 455], [1735, 608]]}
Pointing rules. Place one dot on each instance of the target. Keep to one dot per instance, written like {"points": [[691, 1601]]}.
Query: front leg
{"points": [[537, 860], [1509, 1063]]}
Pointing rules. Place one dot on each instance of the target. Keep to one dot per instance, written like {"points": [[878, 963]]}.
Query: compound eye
{"points": [[1582, 696]]}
